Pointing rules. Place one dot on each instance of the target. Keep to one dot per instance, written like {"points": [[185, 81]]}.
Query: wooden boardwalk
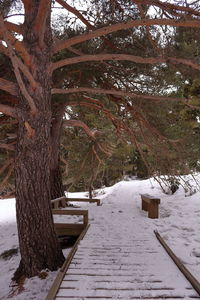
{"points": [[120, 258]]}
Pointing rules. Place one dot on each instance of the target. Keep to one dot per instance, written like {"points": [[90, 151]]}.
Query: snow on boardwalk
{"points": [[120, 258]]}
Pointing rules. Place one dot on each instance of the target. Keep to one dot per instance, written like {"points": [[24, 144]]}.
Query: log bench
{"points": [[61, 202], [68, 228], [150, 204]]}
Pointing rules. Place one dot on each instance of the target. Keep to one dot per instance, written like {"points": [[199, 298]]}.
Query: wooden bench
{"points": [[150, 204], [61, 202], [67, 228]]}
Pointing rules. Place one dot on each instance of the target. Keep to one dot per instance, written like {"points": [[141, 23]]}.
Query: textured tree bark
{"points": [[57, 189], [38, 243], [39, 246]]}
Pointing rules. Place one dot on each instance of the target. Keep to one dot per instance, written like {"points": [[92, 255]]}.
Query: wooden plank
{"points": [[148, 198], [90, 200], [70, 212], [68, 229], [153, 211], [57, 282], [58, 199], [58, 202], [144, 205]]}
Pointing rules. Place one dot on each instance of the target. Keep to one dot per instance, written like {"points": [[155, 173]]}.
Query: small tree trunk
{"points": [[57, 189], [56, 184], [90, 192]]}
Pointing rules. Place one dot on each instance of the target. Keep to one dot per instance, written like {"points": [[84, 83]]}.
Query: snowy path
{"points": [[120, 258]]}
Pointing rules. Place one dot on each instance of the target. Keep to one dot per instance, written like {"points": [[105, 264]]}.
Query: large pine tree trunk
{"points": [[39, 247], [38, 243]]}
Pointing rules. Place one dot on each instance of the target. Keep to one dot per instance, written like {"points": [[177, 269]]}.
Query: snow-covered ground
{"points": [[179, 224]]}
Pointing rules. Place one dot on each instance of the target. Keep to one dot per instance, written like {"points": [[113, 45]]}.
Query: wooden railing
{"points": [[68, 228], [62, 201], [58, 202]]}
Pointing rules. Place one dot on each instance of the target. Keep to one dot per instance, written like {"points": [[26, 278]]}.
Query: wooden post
{"points": [[153, 210], [56, 205], [144, 205], [63, 202], [150, 204], [85, 219]]}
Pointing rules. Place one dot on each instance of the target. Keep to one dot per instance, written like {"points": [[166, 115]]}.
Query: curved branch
{"points": [[9, 87], [19, 47], [21, 65], [76, 13], [83, 19], [14, 27], [122, 26], [184, 61], [168, 6], [44, 6], [78, 123], [113, 92], [26, 72], [124, 57], [8, 110], [19, 79]]}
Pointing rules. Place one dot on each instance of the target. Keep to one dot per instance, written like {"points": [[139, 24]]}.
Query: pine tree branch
{"points": [[44, 6], [26, 72], [8, 37], [124, 57], [150, 38], [76, 13], [59, 45], [8, 86], [8, 110], [78, 123], [114, 92], [169, 7], [183, 61], [84, 20], [15, 62], [14, 27], [21, 66]]}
